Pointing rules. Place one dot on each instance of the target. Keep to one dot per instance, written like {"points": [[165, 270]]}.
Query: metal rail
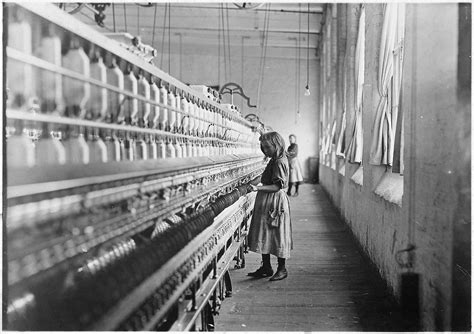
{"points": [[37, 117], [36, 183]]}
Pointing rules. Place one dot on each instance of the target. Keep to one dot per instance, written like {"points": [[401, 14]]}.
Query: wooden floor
{"points": [[330, 287]]}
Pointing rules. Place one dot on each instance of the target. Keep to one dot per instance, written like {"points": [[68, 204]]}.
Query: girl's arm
{"points": [[270, 188], [279, 170], [291, 154], [256, 180]]}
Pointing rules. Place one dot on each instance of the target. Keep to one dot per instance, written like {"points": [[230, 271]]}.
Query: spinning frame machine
{"points": [[126, 189]]}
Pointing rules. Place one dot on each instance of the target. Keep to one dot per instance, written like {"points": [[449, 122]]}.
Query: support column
{"points": [[341, 53], [333, 78], [352, 14], [461, 311], [371, 97]]}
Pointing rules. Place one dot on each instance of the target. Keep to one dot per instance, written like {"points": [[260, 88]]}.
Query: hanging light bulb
{"points": [[306, 91]]}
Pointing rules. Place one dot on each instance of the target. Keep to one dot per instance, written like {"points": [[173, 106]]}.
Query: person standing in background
{"points": [[296, 175]]}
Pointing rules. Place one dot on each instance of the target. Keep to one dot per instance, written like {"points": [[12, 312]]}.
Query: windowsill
{"points": [[358, 176], [327, 161], [333, 161], [390, 188], [342, 170]]}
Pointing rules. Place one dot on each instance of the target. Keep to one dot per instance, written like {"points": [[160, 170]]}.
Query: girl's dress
{"points": [[296, 174], [270, 229]]}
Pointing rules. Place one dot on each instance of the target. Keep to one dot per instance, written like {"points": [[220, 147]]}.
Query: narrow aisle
{"points": [[330, 285]]}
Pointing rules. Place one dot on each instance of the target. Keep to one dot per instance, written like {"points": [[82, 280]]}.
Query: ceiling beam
{"points": [[318, 11], [246, 30]]}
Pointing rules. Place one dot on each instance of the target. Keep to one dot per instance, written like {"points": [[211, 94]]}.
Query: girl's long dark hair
{"points": [[277, 142]]}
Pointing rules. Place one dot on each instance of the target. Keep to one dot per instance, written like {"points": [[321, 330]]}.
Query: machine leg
{"points": [[215, 305], [221, 290], [228, 284], [209, 320], [194, 292], [240, 258], [237, 260], [214, 267]]}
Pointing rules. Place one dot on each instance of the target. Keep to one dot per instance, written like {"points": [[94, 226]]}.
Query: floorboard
{"points": [[330, 287]]}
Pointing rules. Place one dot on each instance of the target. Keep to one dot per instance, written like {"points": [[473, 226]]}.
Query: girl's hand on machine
{"points": [[251, 187]]}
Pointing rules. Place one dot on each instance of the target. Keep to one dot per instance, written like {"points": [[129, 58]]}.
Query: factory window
{"points": [[341, 139], [341, 136], [355, 146], [333, 145], [387, 141], [328, 124], [397, 164]]}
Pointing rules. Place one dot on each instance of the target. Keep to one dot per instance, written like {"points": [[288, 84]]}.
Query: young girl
{"points": [[296, 175], [270, 230]]}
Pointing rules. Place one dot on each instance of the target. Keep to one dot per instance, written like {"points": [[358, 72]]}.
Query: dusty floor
{"points": [[330, 287]]}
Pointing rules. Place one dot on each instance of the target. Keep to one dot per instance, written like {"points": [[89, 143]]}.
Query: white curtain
{"points": [[327, 144], [397, 77], [389, 84], [354, 149], [332, 152], [331, 138], [340, 140], [324, 122], [327, 115]]}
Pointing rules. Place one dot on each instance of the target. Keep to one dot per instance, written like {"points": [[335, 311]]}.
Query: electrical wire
{"points": [[218, 48], [125, 16], [208, 5], [113, 14], [224, 48], [169, 38], [223, 42], [180, 56], [262, 52], [261, 61], [307, 55], [154, 27], [163, 36], [228, 43], [242, 69], [266, 25], [138, 20], [298, 66]]}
